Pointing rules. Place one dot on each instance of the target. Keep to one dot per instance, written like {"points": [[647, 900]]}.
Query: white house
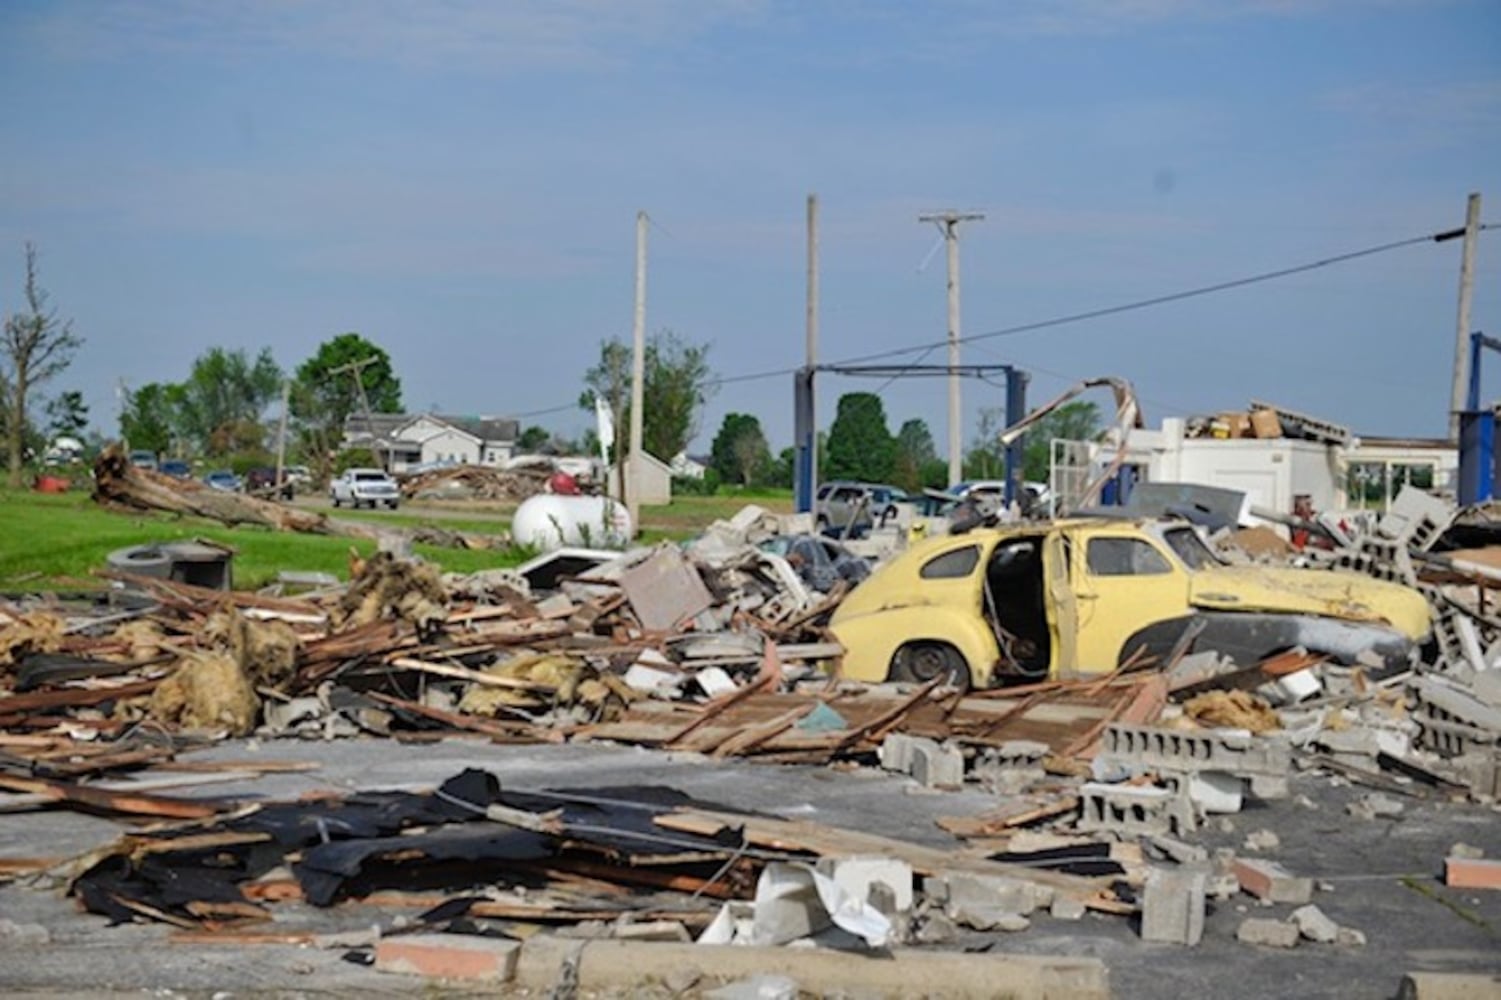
{"points": [[688, 466], [408, 441]]}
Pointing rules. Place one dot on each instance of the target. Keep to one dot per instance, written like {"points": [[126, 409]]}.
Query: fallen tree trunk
{"points": [[116, 481]]}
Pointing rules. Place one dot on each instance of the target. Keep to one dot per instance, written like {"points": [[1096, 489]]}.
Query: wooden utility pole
{"points": [[812, 324], [948, 224], [356, 371], [281, 432], [1462, 327], [638, 376]]}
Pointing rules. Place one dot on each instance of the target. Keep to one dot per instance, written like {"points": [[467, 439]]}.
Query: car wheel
{"points": [[392, 504], [335, 500], [920, 662]]}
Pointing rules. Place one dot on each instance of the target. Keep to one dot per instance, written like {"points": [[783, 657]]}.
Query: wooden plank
{"points": [[814, 838], [132, 803], [34, 701]]}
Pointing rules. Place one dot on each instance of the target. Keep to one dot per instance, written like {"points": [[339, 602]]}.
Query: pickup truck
{"points": [[364, 486]]}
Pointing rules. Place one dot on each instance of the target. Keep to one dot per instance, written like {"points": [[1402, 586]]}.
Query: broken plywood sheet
{"points": [[664, 590]]}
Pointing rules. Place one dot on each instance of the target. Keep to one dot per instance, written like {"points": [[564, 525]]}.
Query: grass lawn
{"points": [[58, 540], [49, 540]]}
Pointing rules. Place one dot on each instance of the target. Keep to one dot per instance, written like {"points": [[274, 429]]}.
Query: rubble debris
{"points": [[1374, 806], [1232, 710], [476, 482], [207, 691], [1270, 881], [449, 956], [1262, 840], [1314, 925], [1173, 906], [1472, 873]]}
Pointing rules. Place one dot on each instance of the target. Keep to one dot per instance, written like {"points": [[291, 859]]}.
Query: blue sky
{"points": [[458, 182]]}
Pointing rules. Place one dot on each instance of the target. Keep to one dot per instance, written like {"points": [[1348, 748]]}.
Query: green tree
{"points": [[532, 439], [677, 382], [36, 347], [1075, 421], [914, 450], [860, 446], [224, 396], [323, 396], [740, 453], [68, 415], [148, 419], [986, 459]]}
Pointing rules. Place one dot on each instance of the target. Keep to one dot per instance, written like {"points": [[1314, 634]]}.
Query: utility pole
{"points": [[948, 224], [281, 432], [1462, 327], [356, 370], [638, 375], [812, 333]]}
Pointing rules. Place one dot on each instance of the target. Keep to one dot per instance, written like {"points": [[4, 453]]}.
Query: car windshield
{"points": [[369, 477], [1189, 547]]}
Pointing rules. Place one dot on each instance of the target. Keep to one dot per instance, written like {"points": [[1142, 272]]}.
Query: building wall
{"points": [[451, 446]]}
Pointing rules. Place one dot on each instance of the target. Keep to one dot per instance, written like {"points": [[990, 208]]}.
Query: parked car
{"points": [[1027, 601], [223, 479], [364, 486], [143, 459], [821, 562], [299, 476], [262, 481], [851, 509], [176, 469]]}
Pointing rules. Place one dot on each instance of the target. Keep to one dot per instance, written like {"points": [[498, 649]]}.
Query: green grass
{"points": [[58, 541]]}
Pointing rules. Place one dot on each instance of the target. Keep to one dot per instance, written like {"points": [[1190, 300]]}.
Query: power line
{"points": [[926, 348]]}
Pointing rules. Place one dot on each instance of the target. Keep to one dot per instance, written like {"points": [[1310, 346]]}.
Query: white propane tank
{"points": [[550, 521]]}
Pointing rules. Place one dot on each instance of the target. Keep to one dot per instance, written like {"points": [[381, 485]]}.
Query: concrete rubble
{"points": [[1104, 790]]}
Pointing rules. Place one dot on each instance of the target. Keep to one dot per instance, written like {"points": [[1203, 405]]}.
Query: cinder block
{"points": [[1451, 721], [1270, 881], [1133, 809], [1472, 873], [938, 765], [1155, 748], [896, 752], [1172, 909], [1268, 933], [1010, 895], [449, 956]]}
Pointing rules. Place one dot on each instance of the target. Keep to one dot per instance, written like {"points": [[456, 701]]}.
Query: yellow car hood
{"points": [[1308, 591]]}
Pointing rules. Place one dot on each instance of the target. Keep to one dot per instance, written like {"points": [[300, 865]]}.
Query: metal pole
{"points": [[812, 337], [948, 223], [638, 375], [1462, 327]]}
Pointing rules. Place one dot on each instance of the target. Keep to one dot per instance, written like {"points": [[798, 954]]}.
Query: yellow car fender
{"points": [[870, 641]]}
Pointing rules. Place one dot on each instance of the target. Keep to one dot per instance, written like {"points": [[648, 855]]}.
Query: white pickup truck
{"points": [[364, 486]]}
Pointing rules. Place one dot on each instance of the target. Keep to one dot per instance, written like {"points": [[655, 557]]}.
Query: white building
{"points": [[407, 442]]}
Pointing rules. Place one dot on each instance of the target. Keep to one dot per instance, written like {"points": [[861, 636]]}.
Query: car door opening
{"points": [[1016, 607]]}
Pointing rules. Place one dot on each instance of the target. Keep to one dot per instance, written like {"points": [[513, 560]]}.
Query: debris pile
{"points": [[476, 482]]}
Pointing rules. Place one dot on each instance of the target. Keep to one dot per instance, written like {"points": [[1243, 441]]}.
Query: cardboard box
{"points": [[1266, 424], [1238, 423]]}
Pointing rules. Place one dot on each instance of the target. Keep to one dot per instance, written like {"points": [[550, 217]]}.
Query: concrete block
{"points": [[1133, 809], [1267, 933], [1452, 721], [756, 988], [896, 752], [1270, 881], [860, 874], [1172, 909], [1314, 925], [938, 765], [1012, 895], [1067, 908], [1216, 792], [449, 956], [1450, 986], [1472, 873], [1231, 751]]}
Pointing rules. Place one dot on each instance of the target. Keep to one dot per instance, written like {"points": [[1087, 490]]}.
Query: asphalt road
{"points": [[1379, 877]]}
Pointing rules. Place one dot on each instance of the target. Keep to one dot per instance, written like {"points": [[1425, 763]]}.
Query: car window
{"points": [[1190, 548], [1124, 557], [370, 476], [951, 565]]}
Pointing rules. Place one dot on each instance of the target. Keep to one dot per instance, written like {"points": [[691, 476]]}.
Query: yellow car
{"points": [[1082, 596]]}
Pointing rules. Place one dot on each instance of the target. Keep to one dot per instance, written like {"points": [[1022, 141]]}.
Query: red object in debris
{"points": [[564, 484], [1472, 873], [52, 484]]}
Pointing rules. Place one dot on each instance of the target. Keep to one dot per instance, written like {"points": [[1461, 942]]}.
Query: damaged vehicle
{"points": [[1026, 602]]}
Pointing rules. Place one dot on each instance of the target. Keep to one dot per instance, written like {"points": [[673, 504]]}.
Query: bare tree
{"points": [[37, 347]]}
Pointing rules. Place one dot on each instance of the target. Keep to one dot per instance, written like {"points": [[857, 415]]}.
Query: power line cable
{"points": [[924, 349]]}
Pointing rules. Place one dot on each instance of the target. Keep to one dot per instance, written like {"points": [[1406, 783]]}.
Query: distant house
{"points": [[409, 441], [651, 481], [686, 466]]}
